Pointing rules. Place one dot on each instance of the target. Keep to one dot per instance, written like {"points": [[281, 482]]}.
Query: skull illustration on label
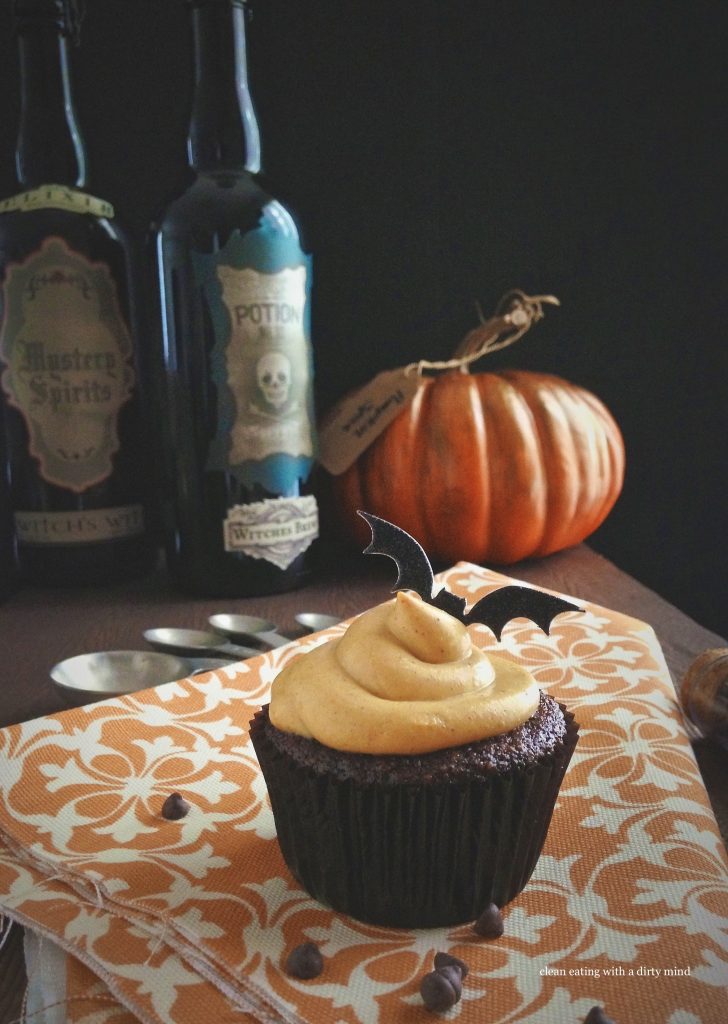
{"points": [[273, 373], [266, 361]]}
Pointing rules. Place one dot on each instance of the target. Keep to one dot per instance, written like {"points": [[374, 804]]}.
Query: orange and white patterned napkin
{"points": [[191, 920]]}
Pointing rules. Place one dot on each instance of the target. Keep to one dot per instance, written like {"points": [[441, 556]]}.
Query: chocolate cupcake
{"points": [[412, 777]]}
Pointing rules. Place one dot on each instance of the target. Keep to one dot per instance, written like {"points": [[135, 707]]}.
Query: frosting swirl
{"points": [[405, 678]]}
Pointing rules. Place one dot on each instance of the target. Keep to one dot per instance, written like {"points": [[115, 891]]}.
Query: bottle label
{"points": [[275, 529], [68, 368], [266, 363], [57, 197], [257, 295], [79, 527]]}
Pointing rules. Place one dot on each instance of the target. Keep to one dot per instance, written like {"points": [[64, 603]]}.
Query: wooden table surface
{"points": [[39, 627]]}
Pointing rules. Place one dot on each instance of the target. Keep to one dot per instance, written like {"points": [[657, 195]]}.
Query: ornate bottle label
{"points": [[79, 527], [264, 363], [257, 293], [67, 352], [276, 529], [57, 197]]}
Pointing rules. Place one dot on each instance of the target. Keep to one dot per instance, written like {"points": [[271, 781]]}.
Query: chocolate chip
{"points": [[305, 961], [175, 807], [454, 976], [448, 960], [441, 989], [490, 923], [597, 1016]]}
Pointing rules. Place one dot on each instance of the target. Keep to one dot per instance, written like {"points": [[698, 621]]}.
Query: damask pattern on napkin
{"points": [[628, 906]]}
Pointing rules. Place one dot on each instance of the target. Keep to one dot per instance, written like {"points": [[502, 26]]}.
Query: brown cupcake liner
{"points": [[412, 856]]}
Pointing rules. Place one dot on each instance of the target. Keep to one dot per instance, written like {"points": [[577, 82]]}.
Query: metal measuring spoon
{"points": [[315, 621], [251, 627], [196, 641], [248, 627], [112, 673]]}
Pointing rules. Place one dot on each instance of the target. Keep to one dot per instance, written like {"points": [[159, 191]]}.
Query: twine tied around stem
{"points": [[514, 315]]}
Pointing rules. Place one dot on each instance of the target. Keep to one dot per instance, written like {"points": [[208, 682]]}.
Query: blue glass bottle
{"points": [[235, 368]]}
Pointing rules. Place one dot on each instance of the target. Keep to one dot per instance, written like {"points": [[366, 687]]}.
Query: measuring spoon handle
{"points": [[233, 652], [273, 639]]}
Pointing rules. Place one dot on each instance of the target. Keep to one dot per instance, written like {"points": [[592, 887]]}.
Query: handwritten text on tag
{"points": [[359, 418]]}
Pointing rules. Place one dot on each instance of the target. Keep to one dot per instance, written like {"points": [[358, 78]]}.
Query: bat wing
{"points": [[450, 603], [496, 609], [414, 569]]}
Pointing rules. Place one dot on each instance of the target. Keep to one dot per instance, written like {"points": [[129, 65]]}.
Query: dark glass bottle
{"points": [[8, 559], [67, 329], [237, 386]]}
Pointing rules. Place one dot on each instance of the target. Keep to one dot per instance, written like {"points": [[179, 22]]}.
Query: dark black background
{"points": [[439, 152]]}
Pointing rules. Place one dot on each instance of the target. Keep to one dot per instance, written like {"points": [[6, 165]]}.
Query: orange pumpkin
{"points": [[489, 467]]}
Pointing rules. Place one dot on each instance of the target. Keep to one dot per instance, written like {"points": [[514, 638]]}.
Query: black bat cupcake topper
{"points": [[494, 610]]}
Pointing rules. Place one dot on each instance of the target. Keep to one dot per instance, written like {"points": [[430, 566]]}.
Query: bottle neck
{"points": [[223, 133], [50, 149]]}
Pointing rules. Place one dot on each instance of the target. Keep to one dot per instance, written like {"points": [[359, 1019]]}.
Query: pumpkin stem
{"points": [[514, 315]]}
